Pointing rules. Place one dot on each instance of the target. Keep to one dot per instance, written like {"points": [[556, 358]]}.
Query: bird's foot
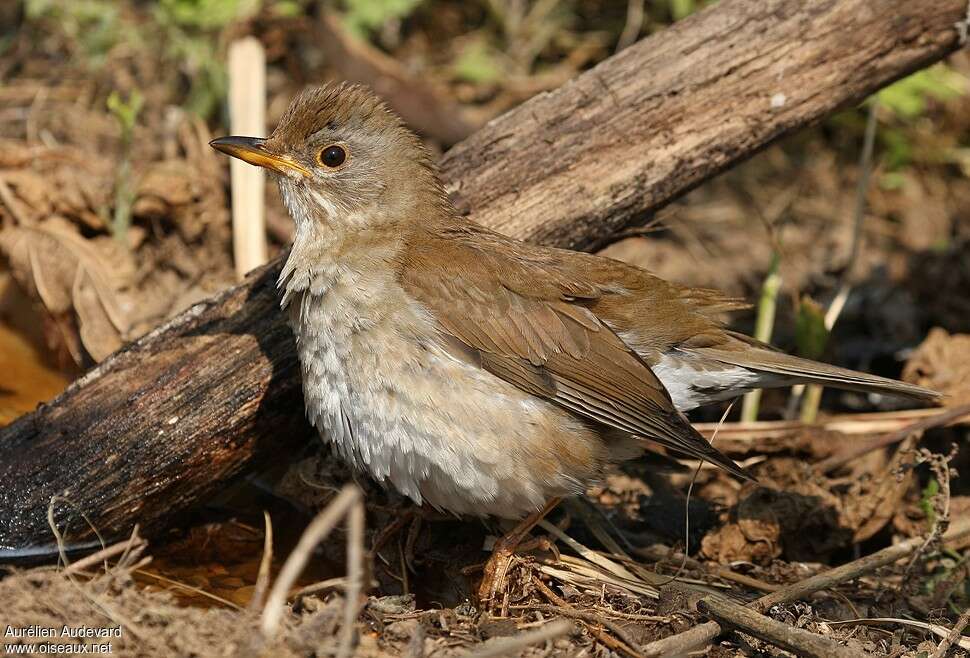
{"points": [[497, 567]]}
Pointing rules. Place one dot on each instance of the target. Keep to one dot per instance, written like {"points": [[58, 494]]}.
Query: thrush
{"points": [[471, 371]]}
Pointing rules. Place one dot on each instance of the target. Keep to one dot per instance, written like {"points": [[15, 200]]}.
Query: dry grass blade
{"points": [[634, 24], [188, 588], [747, 581], [355, 575], [262, 578], [592, 579], [322, 586], [864, 423], [509, 646], [318, 530], [603, 562], [58, 537], [128, 549], [656, 579]]}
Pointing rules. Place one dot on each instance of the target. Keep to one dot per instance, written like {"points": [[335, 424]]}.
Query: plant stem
{"points": [[123, 200], [813, 392], [765, 324]]}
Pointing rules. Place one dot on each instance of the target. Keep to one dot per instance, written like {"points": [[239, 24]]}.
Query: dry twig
{"points": [[864, 447], [854, 569], [953, 636], [347, 503], [562, 607], [796, 640], [703, 634], [508, 646]]}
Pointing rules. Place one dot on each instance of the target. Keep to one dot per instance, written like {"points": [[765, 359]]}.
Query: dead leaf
{"points": [[731, 543], [877, 508], [59, 267], [942, 362]]}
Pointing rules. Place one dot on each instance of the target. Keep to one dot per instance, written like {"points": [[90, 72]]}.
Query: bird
{"points": [[470, 371]]}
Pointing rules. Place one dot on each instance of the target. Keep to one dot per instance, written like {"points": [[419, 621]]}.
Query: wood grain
{"points": [[168, 420]]}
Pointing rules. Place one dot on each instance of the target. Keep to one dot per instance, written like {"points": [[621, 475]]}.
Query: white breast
{"points": [[401, 407]]}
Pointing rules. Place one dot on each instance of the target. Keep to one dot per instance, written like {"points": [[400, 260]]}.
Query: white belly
{"points": [[412, 415]]}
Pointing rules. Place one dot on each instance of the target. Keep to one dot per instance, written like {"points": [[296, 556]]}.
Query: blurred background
{"points": [[115, 214]]}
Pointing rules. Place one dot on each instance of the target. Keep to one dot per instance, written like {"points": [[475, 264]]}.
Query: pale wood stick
{"points": [[863, 447], [247, 116], [510, 646], [866, 423], [799, 641]]}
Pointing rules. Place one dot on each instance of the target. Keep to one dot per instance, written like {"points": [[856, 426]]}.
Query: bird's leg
{"points": [[410, 517], [412, 537], [497, 566]]}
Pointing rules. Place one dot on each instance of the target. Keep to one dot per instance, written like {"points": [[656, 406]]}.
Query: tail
{"points": [[763, 358]]}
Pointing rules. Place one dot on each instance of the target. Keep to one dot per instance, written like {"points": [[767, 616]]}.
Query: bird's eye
{"points": [[333, 156]]}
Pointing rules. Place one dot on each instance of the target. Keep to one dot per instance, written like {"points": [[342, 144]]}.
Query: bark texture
{"points": [[169, 419]]}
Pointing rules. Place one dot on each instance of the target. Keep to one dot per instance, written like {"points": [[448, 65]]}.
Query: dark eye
{"points": [[333, 156]]}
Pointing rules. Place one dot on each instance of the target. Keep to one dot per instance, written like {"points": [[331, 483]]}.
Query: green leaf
{"points": [[892, 181], [896, 146], [363, 17], [477, 63], [208, 14], [908, 98], [682, 8], [931, 489], [287, 8], [126, 111], [811, 336]]}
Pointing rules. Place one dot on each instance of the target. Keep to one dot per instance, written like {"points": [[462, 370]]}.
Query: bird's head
{"points": [[343, 158]]}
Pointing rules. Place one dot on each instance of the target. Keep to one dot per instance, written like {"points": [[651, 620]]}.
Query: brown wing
{"points": [[528, 321]]}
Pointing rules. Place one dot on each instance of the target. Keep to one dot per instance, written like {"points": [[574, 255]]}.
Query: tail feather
{"points": [[799, 370]]}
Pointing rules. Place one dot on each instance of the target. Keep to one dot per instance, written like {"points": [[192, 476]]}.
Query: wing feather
{"points": [[533, 324]]}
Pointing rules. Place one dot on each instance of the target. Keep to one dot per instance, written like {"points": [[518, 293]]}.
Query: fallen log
{"points": [[168, 420]]}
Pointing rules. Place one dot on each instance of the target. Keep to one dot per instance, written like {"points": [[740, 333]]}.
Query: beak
{"points": [[253, 150]]}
